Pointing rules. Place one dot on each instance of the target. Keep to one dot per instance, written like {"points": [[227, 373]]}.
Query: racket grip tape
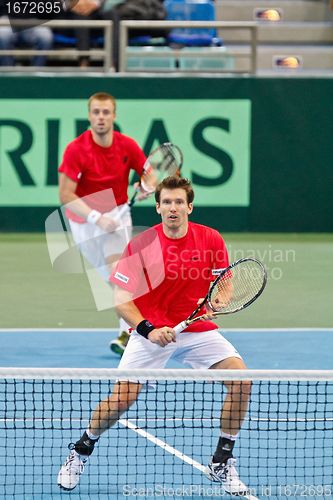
{"points": [[180, 327]]}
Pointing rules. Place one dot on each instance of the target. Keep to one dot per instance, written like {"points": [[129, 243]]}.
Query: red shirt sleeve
{"points": [[71, 164], [141, 266]]}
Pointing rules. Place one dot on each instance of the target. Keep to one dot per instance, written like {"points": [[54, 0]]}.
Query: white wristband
{"points": [[94, 216]]}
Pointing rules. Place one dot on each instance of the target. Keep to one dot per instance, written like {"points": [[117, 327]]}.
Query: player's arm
{"points": [[67, 189], [69, 198], [220, 261], [127, 309]]}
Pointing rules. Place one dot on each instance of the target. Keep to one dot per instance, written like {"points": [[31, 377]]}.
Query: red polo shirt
{"points": [[167, 276], [96, 169]]}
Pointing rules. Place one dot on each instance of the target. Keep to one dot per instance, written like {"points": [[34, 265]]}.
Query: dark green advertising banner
{"points": [[258, 151]]}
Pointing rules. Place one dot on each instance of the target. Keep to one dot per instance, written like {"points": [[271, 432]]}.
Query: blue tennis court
{"points": [[169, 432]]}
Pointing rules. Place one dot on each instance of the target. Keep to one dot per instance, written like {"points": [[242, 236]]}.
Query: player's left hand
{"points": [[219, 302], [209, 311]]}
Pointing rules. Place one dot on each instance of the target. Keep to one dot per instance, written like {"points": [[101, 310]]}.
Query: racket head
{"points": [[238, 286], [165, 160]]}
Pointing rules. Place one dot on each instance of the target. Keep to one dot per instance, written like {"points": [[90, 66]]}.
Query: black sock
{"points": [[85, 445], [224, 450]]}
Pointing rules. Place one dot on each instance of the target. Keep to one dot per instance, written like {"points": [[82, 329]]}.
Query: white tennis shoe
{"points": [[71, 470], [226, 473]]}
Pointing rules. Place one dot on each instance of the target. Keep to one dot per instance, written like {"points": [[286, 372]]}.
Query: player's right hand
{"points": [[162, 336]]}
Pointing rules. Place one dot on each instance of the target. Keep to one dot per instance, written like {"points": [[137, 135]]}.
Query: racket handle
{"points": [[180, 327]]}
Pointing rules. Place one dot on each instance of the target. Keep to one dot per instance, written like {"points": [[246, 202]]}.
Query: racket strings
{"points": [[164, 161], [238, 287], [167, 160]]}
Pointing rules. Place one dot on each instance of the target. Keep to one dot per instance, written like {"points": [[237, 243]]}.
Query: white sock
{"points": [[91, 435], [232, 437]]}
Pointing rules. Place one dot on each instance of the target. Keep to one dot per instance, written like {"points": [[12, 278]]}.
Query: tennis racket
{"points": [[234, 289], [165, 160]]}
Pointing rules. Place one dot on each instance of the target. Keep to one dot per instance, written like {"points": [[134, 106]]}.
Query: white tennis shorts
{"points": [[199, 350], [96, 245]]}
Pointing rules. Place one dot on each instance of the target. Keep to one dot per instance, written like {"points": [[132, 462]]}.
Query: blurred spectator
{"points": [[38, 37], [84, 10], [143, 10], [100, 10]]}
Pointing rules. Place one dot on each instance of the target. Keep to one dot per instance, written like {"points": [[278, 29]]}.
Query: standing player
{"points": [[190, 254], [93, 185]]}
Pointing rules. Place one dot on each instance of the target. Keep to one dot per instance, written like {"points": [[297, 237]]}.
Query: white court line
{"points": [[252, 419], [163, 445], [115, 330]]}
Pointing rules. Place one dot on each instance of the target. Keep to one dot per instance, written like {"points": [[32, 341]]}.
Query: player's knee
{"points": [[125, 395], [241, 389], [246, 387]]}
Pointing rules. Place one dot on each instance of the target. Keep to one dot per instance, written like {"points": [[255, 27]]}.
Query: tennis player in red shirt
{"points": [[159, 278], [93, 186]]}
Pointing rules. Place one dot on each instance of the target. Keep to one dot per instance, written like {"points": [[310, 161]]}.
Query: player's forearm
{"points": [[69, 198], [75, 204], [128, 310]]}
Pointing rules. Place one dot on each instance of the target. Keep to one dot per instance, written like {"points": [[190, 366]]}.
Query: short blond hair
{"points": [[102, 96]]}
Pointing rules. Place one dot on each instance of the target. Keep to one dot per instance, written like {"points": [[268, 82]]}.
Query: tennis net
{"points": [[160, 447]]}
